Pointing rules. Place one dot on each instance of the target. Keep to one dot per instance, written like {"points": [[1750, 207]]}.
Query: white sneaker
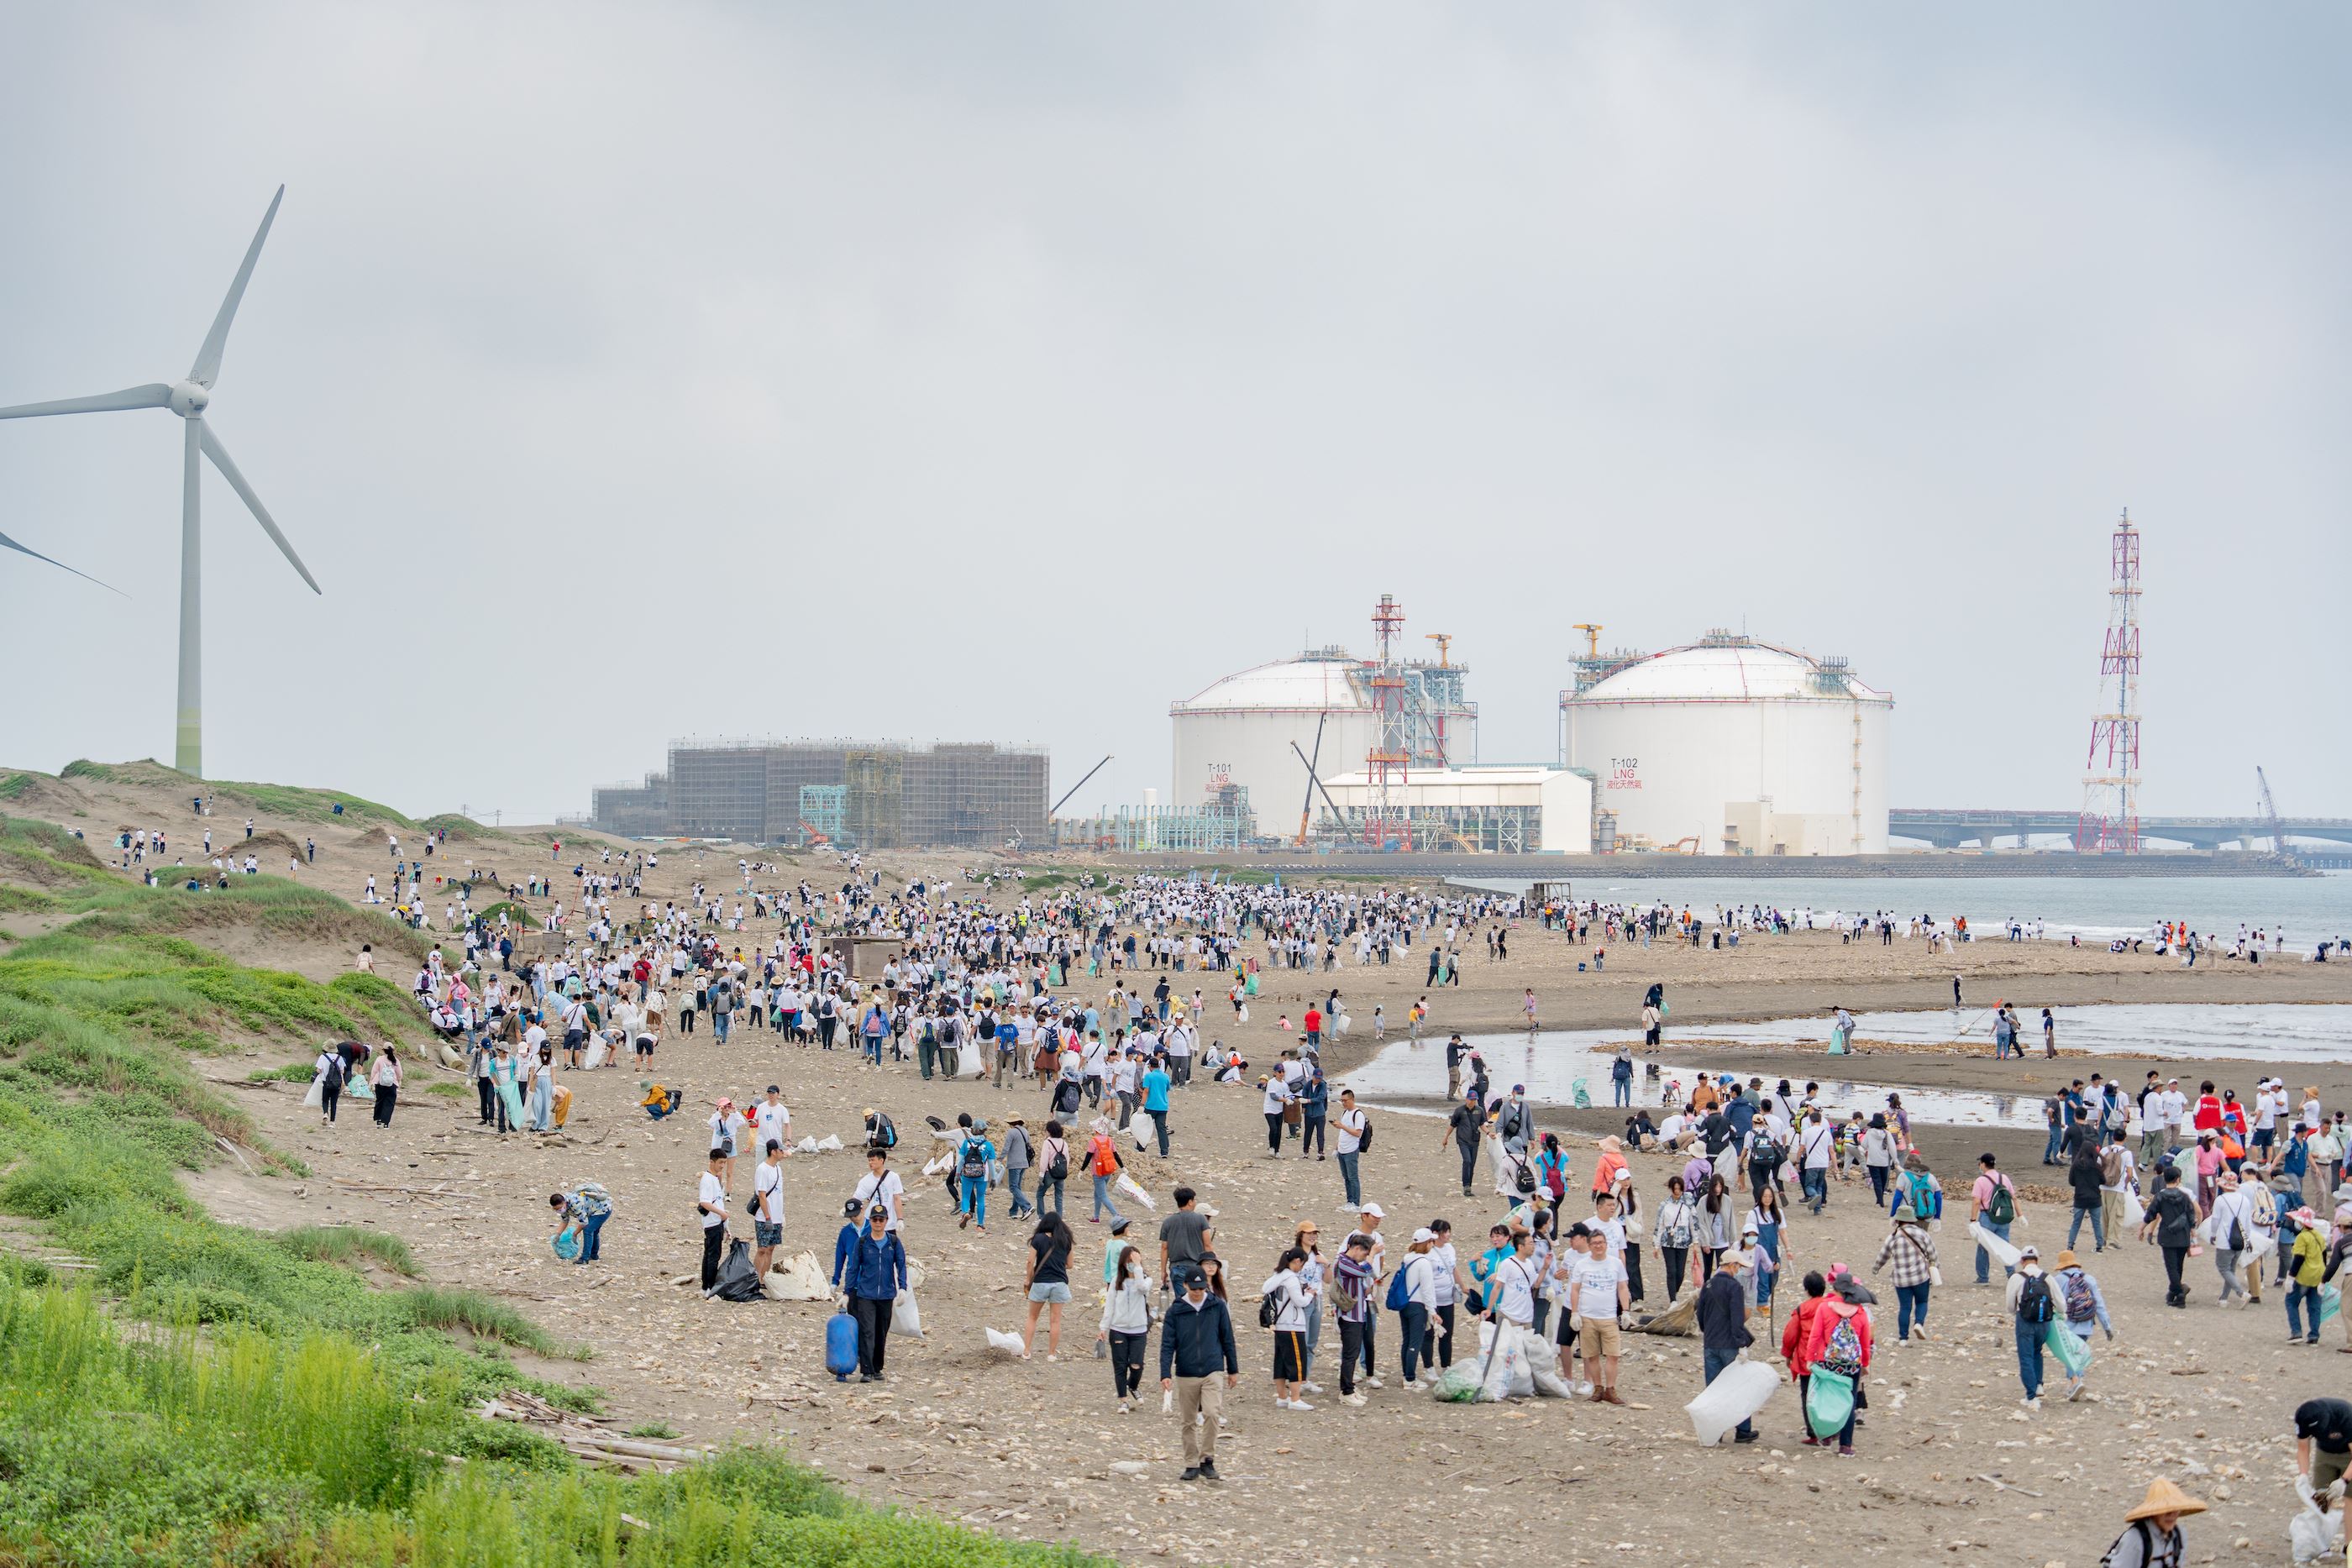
{"points": [[1312, 1387], [1374, 1383], [1125, 1405], [1300, 1405], [2033, 1403], [1351, 1399]]}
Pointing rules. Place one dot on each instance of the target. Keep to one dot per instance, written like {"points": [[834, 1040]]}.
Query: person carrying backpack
{"points": [[973, 1156], [2033, 1307], [1992, 1203], [2083, 1307], [1103, 1164], [2152, 1537], [1840, 1345]]}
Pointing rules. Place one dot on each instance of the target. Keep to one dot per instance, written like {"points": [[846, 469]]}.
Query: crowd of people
{"points": [[1099, 999]]}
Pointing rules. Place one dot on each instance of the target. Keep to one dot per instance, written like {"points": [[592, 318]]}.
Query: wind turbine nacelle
{"points": [[188, 399]]}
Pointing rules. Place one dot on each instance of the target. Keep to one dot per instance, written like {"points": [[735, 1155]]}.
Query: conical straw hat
{"points": [[2163, 1497]]}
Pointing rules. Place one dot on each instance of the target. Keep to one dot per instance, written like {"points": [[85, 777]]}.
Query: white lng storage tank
{"points": [[1729, 746]]}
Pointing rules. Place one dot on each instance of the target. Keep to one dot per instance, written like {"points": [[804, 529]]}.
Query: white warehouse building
{"points": [[1729, 746], [1483, 808], [1239, 730]]}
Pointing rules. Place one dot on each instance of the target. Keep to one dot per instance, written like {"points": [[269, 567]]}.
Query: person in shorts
{"points": [[1048, 1282], [768, 1208], [1596, 1293]]}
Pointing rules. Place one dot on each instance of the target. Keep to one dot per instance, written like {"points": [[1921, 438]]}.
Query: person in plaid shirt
{"points": [[1911, 1252]]}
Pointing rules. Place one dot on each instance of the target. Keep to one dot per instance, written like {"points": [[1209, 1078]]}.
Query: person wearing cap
{"points": [[1018, 1157], [1196, 1345], [730, 1133], [1723, 1325], [1839, 1341], [2032, 1307], [876, 1273], [2151, 1536], [2082, 1307], [2306, 1269]]}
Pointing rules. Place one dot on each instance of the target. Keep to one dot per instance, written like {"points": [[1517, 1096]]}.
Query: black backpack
{"points": [[885, 1135], [2034, 1305], [1269, 1308], [1060, 1169], [1364, 1137], [975, 1163]]}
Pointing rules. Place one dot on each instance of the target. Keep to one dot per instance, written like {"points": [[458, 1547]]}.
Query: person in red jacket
{"points": [[1797, 1337], [1839, 1342], [1314, 1025], [2207, 1118]]}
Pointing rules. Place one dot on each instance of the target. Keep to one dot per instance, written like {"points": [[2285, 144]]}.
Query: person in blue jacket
{"points": [[871, 1270]]}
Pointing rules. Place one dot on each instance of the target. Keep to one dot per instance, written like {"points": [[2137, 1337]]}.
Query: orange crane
{"points": [[1592, 630], [1444, 641]]}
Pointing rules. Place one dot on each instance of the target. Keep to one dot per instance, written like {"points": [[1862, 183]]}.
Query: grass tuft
{"points": [[350, 1244]]}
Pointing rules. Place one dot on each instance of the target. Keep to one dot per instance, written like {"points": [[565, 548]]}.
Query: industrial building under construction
{"points": [[873, 795]]}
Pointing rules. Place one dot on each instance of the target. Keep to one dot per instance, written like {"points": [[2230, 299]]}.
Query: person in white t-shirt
{"points": [[1816, 1146], [767, 1207], [711, 1202], [771, 1120], [1596, 1293], [880, 1184], [1278, 1099]]}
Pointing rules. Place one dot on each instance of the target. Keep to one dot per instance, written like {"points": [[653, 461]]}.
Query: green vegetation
{"points": [[657, 1430], [272, 1407], [14, 785], [350, 1245], [305, 804], [292, 1072], [243, 1448], [444, 1089]]}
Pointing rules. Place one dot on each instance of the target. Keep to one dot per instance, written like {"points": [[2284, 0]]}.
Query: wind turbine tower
{"points": [[190, 398]]}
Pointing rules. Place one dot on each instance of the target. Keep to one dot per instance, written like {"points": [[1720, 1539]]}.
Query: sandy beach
{"points": [[1949, 1463]]}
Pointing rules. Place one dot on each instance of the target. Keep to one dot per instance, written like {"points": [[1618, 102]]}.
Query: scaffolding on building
{"points": [[1390, 761], [1226, 823], [893, 794], [823, 812]]}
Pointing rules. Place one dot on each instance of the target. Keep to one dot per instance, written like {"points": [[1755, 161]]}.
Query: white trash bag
{"points": [[905, 1316], [829, 1145], [799, 1279], [1010, 1344], [1744, 1388], [1134, 1189], [805, 1146], [2003, 1252]]}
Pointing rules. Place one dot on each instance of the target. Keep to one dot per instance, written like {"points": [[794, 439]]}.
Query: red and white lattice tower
{"points": [[1386, 819], [2110, 820]]}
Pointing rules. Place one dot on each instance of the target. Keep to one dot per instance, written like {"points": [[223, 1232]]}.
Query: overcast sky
{"points": [[1007, 371]]}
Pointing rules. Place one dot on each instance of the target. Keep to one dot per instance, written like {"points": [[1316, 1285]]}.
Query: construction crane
{"points": [[1307, 806], [1075, 788], [1444, 641], [2271, 814], [1316, 784], [1592, 630]]}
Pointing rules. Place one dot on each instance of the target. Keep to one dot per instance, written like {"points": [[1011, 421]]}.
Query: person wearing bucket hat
{"points": [[2306, 1267], [2151, 1536]]}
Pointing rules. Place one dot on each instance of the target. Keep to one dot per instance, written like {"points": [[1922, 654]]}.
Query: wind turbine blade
{"points": [[155, 395], [37, 554], [222, 461], [208, 358]]}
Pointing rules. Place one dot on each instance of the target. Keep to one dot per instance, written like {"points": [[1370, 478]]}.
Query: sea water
{"points": [[1553, 1065], [2310, 909]]}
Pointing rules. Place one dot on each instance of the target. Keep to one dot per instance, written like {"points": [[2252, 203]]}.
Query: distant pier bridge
{"points": [[1948, 829]]}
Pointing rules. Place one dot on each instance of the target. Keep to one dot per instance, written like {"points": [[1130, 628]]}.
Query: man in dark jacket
{"points": [[1196, 1342], [872, 1274], [2173, 1216], [1723, 1323]]}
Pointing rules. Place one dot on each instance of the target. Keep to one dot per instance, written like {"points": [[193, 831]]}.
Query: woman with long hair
{"points": [[1714, 1225], [1766, 1220], [1305, 1239], [1047, 1281], [1126, 1325], [1677, 1232]]}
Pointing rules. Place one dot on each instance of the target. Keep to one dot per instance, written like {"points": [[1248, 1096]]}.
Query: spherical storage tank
{"points": [[1742, 746], [1239, 730]]}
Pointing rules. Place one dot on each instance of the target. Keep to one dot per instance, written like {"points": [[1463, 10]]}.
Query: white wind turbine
{"points": [[188, 398]]}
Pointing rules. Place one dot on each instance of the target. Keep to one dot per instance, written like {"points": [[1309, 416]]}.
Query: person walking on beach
{"points": [[386, 1076], [2083, 1307], [1048, 1282], [2171, 1224], [871, 1276], [1126, 1325], [1723, 1326], [1911, 1253], [1196, 1345], [1992, 1203]]}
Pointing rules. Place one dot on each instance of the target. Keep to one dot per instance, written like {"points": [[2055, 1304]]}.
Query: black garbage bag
{"points": [[736, 1281]]}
